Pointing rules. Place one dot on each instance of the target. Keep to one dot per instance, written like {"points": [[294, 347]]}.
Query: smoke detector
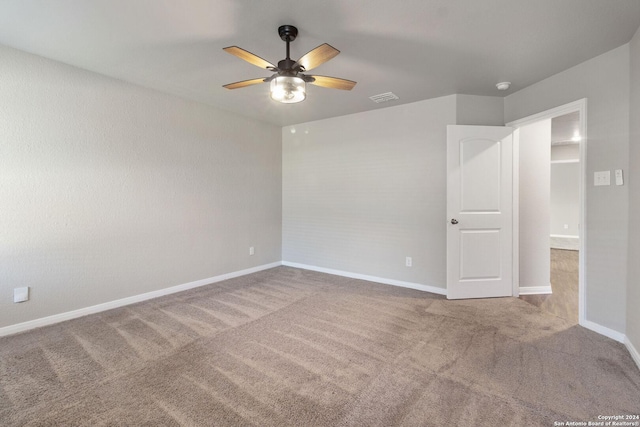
{"points": [[503, 85]]}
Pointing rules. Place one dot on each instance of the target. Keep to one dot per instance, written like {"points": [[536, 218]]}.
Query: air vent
{"points": [[383, 97]]}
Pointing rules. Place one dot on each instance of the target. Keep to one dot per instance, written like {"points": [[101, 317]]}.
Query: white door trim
{"points": [[515, 170], [581, 107]]}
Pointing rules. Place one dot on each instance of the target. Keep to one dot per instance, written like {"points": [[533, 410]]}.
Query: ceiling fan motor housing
{"points": [[286, 67]]}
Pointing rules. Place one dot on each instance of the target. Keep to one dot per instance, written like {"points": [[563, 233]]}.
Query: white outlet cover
{"points": [[21, 294]]}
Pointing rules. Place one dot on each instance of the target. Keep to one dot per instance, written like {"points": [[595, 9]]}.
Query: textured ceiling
{"points": [[417, 49]]}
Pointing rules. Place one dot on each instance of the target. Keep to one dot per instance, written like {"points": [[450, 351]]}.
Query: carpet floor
{"points": [[563, 302], [290, 347]]}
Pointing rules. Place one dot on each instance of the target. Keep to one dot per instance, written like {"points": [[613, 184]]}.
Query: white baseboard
{"points": [[603, 330], [535, 290], [393, 282], [57, 318], [566, 242], [633, 351]]}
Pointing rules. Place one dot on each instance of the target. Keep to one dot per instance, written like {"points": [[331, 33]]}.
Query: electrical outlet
{"points": [[21, 294], [408, 261], [251, 250], [566, 226]]}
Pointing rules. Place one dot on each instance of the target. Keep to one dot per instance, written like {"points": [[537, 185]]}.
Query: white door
{"points": [[479, 210]]}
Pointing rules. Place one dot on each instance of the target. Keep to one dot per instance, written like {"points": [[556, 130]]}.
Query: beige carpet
{"points": [[564, 284], [288, 347]]}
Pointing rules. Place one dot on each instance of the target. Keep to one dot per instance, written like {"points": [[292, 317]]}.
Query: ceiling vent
{"points": [[383, 97]]}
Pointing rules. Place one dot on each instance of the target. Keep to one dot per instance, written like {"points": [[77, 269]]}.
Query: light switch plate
{"points": [[602, 178]]}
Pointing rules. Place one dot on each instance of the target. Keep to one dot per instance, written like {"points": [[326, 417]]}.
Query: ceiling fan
{"points": [[288, 81]]}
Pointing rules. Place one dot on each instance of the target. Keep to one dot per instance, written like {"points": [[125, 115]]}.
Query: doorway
{"points": [[564, 224], [565, 294]]}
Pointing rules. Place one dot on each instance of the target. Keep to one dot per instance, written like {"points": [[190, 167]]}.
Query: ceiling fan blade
{"points": [[317, 56], [333, 82], [249, 57], [245, 83]]}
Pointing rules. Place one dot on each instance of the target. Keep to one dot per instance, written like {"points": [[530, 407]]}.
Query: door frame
{"points": [[572, 107]]}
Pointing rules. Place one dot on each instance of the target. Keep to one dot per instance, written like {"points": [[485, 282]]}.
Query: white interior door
{"points": [[480, 211]]}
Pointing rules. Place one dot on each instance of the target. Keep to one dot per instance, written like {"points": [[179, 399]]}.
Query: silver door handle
{"points": [[454, 221]]}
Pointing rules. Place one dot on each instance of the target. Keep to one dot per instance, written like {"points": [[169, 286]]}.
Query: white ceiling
{"points": [[417, 49]]}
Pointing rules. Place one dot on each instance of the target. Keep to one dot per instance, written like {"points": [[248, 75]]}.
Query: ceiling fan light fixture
{"points": [[288, 89], [289, 81]]}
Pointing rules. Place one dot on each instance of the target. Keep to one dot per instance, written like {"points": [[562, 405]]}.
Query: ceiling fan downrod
{"points": [[288, 33]]}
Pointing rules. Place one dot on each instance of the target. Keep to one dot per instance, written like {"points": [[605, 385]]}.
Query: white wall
{"points": [[534, 204], [565, 152], [479, 110], [565, 199], [364, 191], [607, 149], [633, 182], [109, 190], [565, 189]]}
